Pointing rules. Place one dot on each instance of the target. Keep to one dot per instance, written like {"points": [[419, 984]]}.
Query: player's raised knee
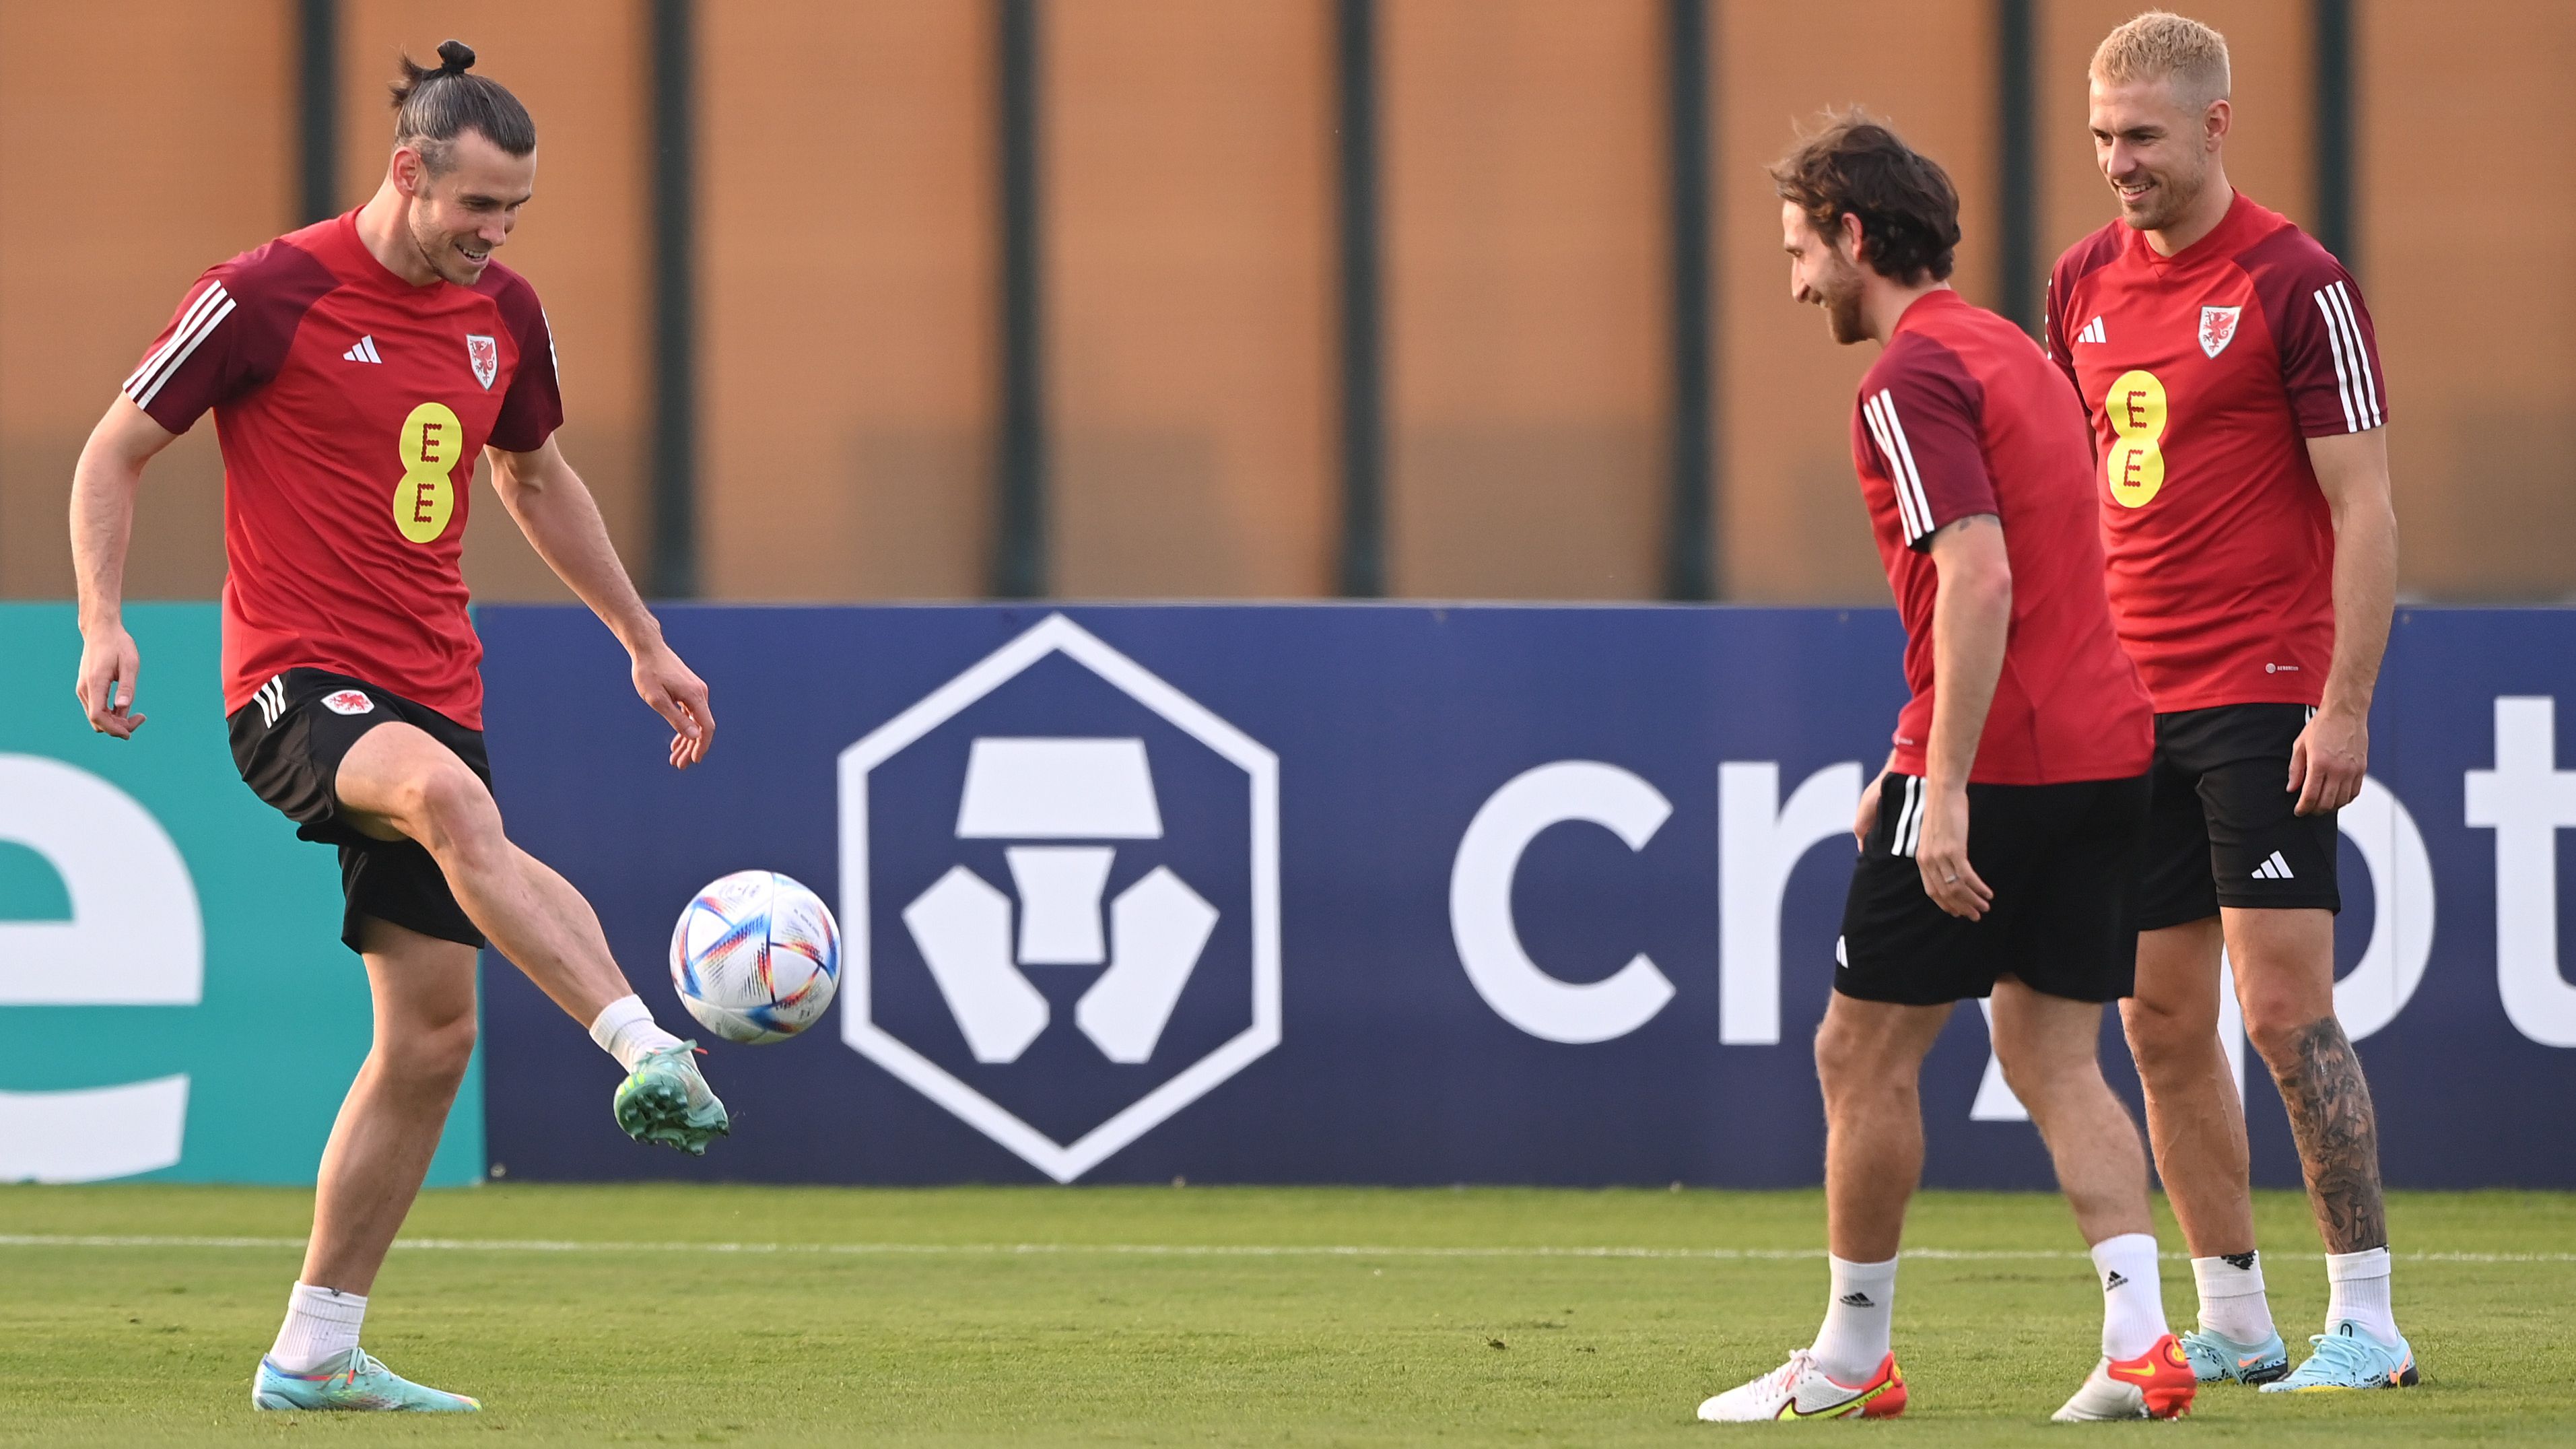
{"points": [[454, 806]]}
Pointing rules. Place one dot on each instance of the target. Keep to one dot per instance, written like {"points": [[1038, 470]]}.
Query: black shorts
{"points": [[288, 742], [2226, 831], [2062, 861]]}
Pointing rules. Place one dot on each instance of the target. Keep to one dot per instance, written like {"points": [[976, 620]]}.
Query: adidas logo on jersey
{"points": [[2093, 333], [2275, 869], [365, 351]]}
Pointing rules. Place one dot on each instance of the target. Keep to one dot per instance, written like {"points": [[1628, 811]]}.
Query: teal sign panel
{"points": [[174, 996]]}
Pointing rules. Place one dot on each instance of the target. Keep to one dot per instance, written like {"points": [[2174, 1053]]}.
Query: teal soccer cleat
{"points": [[352, 1381], [2350, 1359], [665, 1100], [2216, 1357]]}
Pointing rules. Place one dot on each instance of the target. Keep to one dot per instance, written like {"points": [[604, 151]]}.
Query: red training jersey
{"points": [[1962, 415], [2205, 373], [351, 406]]}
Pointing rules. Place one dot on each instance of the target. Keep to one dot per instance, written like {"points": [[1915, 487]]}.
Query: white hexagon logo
{"points": [[981, 945]]}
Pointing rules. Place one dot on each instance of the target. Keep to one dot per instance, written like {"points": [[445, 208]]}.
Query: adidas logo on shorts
{"points": [[2275, 869]]}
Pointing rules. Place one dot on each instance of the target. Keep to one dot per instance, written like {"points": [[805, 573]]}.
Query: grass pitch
{"points": [[134, 1315]]}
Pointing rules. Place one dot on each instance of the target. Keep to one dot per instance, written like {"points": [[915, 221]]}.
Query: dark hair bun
{"points": [[457, 55]]}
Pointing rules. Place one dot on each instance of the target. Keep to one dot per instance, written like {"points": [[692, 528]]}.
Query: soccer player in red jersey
{"points": [[356, 368], [2234, 385], [1999, 847]]}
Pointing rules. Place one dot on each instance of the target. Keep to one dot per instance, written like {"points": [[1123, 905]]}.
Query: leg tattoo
{"points": [[2338, 1137]]}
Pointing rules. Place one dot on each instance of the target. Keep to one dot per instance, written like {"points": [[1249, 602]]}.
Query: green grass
{"points": [[911, 1317]]}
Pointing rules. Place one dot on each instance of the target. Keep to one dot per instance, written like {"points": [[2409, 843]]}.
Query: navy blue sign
{"points": [[1407, 894]]}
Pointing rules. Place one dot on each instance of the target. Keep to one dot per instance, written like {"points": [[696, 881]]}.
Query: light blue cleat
{"points": [[2350, 1359], [352, 1380], [2216, 1357], [666, 1100]]}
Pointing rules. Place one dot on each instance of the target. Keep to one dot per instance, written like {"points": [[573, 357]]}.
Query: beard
{"points": [[2171, 197], [1839, 295]]}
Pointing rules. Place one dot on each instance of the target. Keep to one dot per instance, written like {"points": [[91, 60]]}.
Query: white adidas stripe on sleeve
{"points": [[1895, 470], [1907, 476], [2343, 367], [2368, 388], [2355, 381], [208, 312], [206, 301]]}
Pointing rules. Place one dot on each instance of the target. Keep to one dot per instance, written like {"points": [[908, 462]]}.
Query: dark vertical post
{"points": [[2017, 266], [2334, 127], [1689, 543], [317, 35], [675, 322], [1019, 540], [1363, 560]]}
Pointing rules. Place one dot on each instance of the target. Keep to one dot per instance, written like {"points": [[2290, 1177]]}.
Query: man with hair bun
{"points": [[356, 369], [2233, 380], [2028, 726]]}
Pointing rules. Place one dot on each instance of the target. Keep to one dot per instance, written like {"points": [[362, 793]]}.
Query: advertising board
{"points": [[1413, 894]]}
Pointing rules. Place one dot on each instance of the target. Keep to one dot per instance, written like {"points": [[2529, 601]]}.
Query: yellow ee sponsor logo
{"points": [[431, 443], [2135, 464]]}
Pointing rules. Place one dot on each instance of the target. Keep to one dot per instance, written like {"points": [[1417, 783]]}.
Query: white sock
{"points": [[625, 1030], [321, 1323], [1858, 1320], [2231, 1297], [2133, 1302], [2357, 1293]]}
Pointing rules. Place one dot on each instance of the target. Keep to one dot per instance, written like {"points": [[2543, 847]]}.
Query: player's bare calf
{"points": [[2230, 368], [352, 696], [1998, 849]]}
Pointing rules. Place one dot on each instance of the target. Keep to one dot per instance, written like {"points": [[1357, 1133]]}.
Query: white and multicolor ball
{"points": [[756, 957]]}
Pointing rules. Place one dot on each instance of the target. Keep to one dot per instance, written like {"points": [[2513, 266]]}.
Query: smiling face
{"points": [[2155, 148], [463, 212], [1825, 273]]}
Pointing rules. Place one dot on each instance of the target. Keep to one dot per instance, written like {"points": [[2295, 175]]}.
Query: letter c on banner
{"points": [[1480, 902]]}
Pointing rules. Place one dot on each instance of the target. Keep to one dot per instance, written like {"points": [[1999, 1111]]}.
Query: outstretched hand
{"points": [[676, 694], [108, 668]]}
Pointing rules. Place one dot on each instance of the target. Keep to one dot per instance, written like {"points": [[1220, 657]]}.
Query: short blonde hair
{"points": [[2161, 44]]}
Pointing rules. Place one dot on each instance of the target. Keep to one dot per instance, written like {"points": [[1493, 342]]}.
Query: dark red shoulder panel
{"points": [[2329, 349], [2080, 260], [1925, 412], [230, 333], [533, 408]]}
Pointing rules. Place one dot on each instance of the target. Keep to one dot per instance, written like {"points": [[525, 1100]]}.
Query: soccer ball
{"points": [[756, 957]]}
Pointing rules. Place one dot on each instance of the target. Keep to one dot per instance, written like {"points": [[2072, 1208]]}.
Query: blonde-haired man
{"points": [[2233, 382]]}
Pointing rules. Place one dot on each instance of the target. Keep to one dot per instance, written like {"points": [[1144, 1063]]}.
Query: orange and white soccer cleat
{"points": [[1799, 1389], [2157, 1384]]}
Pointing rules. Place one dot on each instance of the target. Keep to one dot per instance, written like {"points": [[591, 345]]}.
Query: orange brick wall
{"points": [[847, 279]]}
